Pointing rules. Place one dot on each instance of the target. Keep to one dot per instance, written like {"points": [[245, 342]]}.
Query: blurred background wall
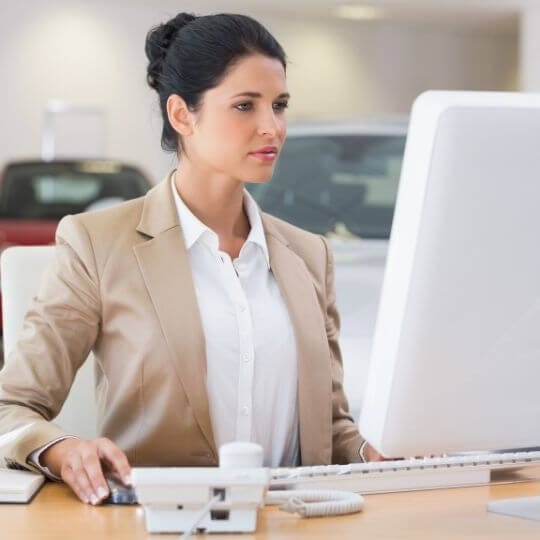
{"points": [[92, 54]]}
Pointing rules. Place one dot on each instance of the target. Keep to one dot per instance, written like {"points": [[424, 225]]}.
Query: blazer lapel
{"points": [[164, 264], [314, 370]]}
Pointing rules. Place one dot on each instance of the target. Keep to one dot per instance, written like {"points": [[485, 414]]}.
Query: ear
{"points": [[179, 115]]}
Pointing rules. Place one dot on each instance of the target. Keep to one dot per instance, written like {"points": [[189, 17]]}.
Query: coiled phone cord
{"points": [[320, 503]]}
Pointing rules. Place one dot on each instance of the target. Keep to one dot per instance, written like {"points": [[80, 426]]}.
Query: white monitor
{"points": [[455, 363]]}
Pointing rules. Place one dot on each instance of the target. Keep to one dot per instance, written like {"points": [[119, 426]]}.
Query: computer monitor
{"points": [[455, 363]]}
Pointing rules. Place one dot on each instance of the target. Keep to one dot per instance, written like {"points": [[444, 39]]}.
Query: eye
{"points": [[244, 107], [280, 106]]}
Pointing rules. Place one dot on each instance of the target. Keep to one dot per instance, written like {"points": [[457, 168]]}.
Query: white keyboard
{"points": [[403, 475]]}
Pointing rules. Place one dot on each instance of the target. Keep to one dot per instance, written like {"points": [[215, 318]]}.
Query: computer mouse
{"points": [[119, 493]]}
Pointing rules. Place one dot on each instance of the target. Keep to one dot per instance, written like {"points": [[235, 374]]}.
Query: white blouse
{"points": [[252, 377]]}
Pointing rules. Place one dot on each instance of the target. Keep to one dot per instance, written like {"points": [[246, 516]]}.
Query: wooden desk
{"points": [[443, 514]]}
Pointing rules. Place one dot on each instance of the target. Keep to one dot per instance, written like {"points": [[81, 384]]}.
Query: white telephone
{"points": [[225, 498]]}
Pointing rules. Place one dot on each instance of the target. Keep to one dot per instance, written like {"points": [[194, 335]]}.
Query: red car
{"points": [[35, 195]]}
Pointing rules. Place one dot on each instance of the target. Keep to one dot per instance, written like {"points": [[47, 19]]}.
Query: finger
{"points": [[81, 479], [116, 459], [94, 472], [68, 476]]}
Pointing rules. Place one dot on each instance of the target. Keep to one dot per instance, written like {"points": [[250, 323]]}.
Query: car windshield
{"points": [[51, 191], [341, 184]]}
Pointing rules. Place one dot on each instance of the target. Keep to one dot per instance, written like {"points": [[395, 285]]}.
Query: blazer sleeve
{"points": [[58, 333], [346, 440]]}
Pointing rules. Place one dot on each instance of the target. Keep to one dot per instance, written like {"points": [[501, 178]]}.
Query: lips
{"points": [[266, 153]]}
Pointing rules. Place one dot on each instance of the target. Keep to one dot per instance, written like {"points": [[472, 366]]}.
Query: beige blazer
{"points": [[121, 285]]}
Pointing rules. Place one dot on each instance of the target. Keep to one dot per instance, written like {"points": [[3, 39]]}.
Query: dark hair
{"points": [[189, 55]]}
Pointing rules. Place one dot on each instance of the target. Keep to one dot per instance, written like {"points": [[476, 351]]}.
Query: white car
{"points": [[341, 180]]}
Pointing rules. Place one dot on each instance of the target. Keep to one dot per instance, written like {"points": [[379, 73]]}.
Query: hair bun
{"points": [[158, 41]]}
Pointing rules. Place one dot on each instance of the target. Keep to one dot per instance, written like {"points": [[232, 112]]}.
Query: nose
{"points": [[269, 124]]}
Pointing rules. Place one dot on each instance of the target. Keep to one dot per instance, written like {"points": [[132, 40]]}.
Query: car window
{"points": [[65, 189], [52, 191], [346, 184]]}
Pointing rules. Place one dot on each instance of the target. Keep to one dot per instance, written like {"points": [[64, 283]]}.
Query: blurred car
{"points": [[341, 180], [35, 195]]}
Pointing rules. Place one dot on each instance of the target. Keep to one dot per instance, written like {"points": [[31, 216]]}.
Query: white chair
{"points": [[22, 270]]}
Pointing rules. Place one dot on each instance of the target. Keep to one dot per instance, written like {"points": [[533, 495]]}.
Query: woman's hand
{"points": [[80, 465], [371, 454]]}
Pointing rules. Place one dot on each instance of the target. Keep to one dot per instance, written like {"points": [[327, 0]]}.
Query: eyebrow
{"points": [[258, 95]]}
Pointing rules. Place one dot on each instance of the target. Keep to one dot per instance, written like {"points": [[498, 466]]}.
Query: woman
{"points": [[209, 320]]}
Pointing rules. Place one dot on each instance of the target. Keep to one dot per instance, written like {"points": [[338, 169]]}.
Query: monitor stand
{"points": [[523, 507]]}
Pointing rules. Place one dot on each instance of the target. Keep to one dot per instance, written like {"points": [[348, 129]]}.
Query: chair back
{"points": [[21, 270]]}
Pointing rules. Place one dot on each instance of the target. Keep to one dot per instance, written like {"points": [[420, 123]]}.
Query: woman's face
{"points": [[240, 128]]}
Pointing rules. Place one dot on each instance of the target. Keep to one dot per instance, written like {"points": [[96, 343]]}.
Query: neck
{"points": [[216, 200]]}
